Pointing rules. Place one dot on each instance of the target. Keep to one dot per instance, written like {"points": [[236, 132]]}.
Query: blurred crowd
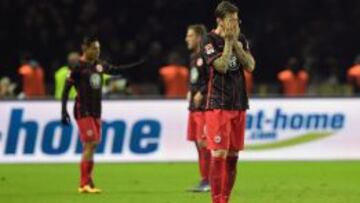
{"points": [[302, 47]]}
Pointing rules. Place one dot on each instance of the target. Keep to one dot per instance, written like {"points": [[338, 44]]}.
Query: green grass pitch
{"points": [[257, 182]]}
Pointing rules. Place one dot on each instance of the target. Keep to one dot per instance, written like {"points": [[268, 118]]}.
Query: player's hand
{"points": [[230, 30], [240, 44], [188, 96], [237, 31], [65, 118], [198, 99]]}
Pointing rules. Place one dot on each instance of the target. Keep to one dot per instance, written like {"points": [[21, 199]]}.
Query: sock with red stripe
{"points": [[216, 172], [229, 177]]}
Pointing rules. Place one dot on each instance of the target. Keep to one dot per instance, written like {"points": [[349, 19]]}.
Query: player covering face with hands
{"points": [[87, 77], [227, 55], [229, 29]]}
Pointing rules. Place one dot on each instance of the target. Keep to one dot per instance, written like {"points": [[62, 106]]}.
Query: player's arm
{"points": [[221, 64], [65, 118], [198, 98], [202, 86], [70, 80], [120, 69], [245, 57]]}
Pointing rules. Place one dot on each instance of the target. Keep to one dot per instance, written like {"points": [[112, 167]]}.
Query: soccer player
{"points": [[197, 91], [87, 77], [227, 54]]}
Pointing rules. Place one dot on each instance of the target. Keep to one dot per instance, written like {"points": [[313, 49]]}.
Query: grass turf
{"points": [[257, 182]]}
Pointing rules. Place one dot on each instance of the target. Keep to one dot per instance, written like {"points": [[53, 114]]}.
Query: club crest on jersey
{"points": [[99, 68], [209, 49], [199, 62], [233, 65], [89, 133], [217, 139], [95, 80], [194, 75]]}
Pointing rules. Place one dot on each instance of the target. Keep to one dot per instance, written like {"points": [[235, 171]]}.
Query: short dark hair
{"points": [[224, 8], [199, 29], [88, 40]]}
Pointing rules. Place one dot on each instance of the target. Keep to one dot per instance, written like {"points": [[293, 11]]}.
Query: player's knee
{"points": [[91, 145], [219, 153], [89, 148], [87, 153], [94, 145]]}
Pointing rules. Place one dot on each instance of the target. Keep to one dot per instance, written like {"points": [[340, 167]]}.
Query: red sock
{"points": [[229, 177], [84, 173], [216, 170], [204, 163], [89, 170]]}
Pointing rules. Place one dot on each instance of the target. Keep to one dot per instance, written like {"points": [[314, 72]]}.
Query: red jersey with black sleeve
{"points": [[88, 81], [226, 91], [198, 80]]}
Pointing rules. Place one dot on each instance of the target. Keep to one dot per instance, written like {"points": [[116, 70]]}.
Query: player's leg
{"points": [[230, 175], [87, 162], [204, 167], [92, 150], [198, 130], [237, 138], [205, 154], [95, 141], [217, 167], [204, 164], [202, 142], [89, 135], [218, 143], [191, 136]]}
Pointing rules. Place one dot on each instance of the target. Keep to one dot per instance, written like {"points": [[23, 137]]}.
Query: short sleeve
{"points": [[210, 50]]}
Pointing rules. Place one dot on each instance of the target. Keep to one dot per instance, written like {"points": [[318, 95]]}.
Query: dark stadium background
{"points": [[322, 33]]}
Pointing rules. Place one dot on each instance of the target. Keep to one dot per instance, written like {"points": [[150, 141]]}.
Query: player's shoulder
{"points": [[211, 37], [211, 43]]}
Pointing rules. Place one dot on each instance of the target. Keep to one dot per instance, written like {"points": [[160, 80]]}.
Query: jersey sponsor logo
{"points": [[209, 49], [217, 139], [95, 81], [194, 75], [89, 133], [233, 64]]}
